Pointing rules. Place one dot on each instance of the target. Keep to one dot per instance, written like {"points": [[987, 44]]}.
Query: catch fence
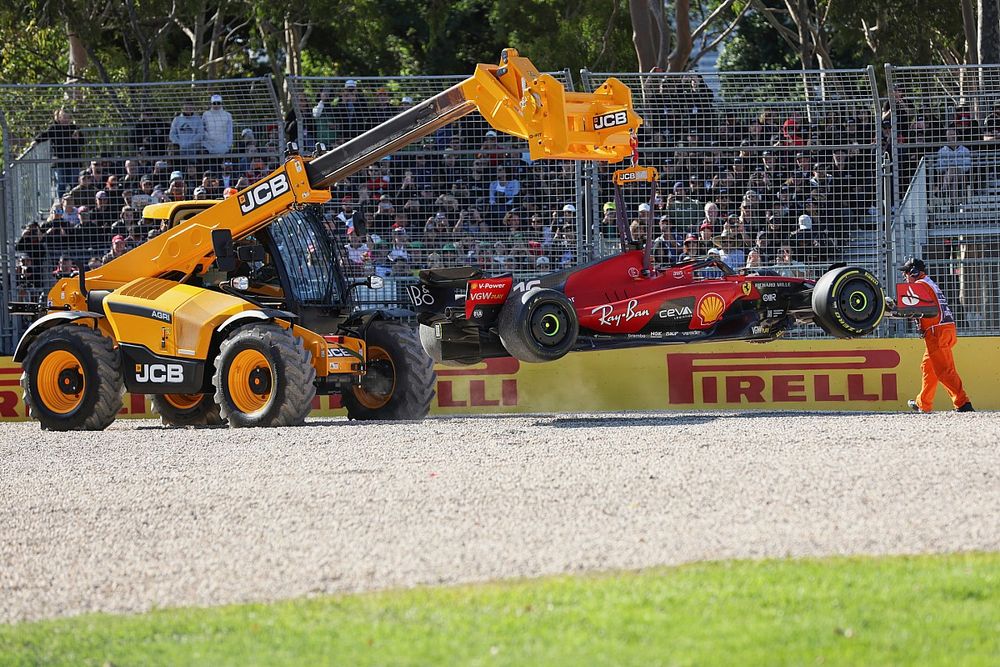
{"points": [[801, 169]]}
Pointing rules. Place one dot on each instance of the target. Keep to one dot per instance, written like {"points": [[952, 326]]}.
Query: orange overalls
{"points": [[938, 365]]}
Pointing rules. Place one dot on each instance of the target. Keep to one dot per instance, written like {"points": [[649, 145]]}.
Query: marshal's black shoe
{"points": [[966, 408]]}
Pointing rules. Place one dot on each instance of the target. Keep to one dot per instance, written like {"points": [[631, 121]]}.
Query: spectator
{"points": [[754, 259], [787, 265], [352, 220], [118, 248], [352, 114], [200, 193], [218, 136], [102, 213], [187, 131], [64, 268], [28, 277], [504, 191], [149, 135], [810, 245], [65, 147], [666, 248], [85, 190], [31, 243], [954, 163]]}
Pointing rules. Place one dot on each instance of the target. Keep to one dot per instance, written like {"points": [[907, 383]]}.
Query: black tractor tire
{"points": [[432, 346], [538, 326], [848, 302], [72, 379], [399, 378], [263, 377], [187, 409]]}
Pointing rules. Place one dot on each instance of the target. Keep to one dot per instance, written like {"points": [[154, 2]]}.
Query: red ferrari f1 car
{"points": [[624, 301]]}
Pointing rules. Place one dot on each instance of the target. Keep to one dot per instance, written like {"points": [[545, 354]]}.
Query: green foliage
{"points": [[926, 610]]}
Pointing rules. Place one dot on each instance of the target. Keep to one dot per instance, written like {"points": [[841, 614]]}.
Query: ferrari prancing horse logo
{"points": [[746, 288]]}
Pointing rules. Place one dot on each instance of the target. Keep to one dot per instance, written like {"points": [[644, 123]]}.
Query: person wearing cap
{"points": [[940, 335], [187, 130], [103, 212], [809, 245], [118, 248], [218, 138], [504, 191]]}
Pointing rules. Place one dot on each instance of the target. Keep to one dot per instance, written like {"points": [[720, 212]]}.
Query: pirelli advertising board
{"points": [[861, 375]]}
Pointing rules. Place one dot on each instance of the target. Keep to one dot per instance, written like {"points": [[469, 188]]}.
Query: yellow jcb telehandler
{"points": [[240, 312]]}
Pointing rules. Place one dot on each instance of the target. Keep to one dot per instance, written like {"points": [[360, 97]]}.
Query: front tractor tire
{"points": [[187, 409], [263, 377], [399, 378], [848, 302], [72, 379], [538, 326]]}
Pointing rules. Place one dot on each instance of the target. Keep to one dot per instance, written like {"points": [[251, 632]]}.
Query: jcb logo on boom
{"points": [[159, 373], [263, 193], [613, 119]]}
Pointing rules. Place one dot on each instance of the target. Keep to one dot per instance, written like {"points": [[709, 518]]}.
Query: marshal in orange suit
{"points": [[940, 335]]}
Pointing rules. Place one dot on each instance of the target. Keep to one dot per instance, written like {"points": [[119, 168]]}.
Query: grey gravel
{"points": [[140, 516]]}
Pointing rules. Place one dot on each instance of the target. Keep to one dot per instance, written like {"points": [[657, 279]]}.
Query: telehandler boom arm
{"points": [[513, 97]]}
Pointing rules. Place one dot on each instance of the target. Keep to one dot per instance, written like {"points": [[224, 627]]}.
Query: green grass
{"points": [[926, 610]]}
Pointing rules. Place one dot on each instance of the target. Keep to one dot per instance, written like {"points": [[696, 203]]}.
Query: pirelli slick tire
{"points": [[432, 346], [848, 302], [187, 409], [72, 379], [399, 378], [263, 377], [539, 325]]}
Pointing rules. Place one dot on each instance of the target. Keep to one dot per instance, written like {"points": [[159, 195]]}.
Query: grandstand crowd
{"points": [[771, 188]]}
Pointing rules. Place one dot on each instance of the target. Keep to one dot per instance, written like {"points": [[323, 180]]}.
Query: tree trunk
{"points": [[971, 33], [77, 55], [989, 32], [678, 59], [645, 35], [215, 45]]}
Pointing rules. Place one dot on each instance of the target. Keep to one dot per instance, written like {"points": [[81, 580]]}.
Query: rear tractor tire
{"points": [[263, 377], [848, 302], [538, 326], [399, 377], [187, 409], [72, 379]]}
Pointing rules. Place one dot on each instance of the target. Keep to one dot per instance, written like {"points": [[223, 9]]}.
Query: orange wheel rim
{"points": [[366, 396], [61, 382], [183, 401], [249, 381]]}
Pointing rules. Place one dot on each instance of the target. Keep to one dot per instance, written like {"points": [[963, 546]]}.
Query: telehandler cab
{"points": [[240, 311]]}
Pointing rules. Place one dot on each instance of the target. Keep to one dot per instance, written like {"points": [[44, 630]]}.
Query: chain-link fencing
{"points": [[943, 127], [782, 170], [463, 196], [83, 160]]}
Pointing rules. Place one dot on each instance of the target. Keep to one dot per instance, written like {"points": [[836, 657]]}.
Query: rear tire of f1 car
{"points": [[538, 326], [399, 379], [848, 302]]}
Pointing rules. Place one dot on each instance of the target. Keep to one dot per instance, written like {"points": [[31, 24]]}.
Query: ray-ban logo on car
{"points": [[263, 193], [608, 120]]}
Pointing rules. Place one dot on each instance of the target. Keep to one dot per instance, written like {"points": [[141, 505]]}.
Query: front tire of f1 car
{"points": [[538, 326], [848, 302]]}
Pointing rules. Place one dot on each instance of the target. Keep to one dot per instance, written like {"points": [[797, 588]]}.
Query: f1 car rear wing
{"points": [[515, 99]]}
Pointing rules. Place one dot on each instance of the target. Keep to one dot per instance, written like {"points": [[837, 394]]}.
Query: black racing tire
{"points": [[399, 377], [848, 302], [432, 346], [538, 326], [263, 377], [66, 358], [187, 409]]}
